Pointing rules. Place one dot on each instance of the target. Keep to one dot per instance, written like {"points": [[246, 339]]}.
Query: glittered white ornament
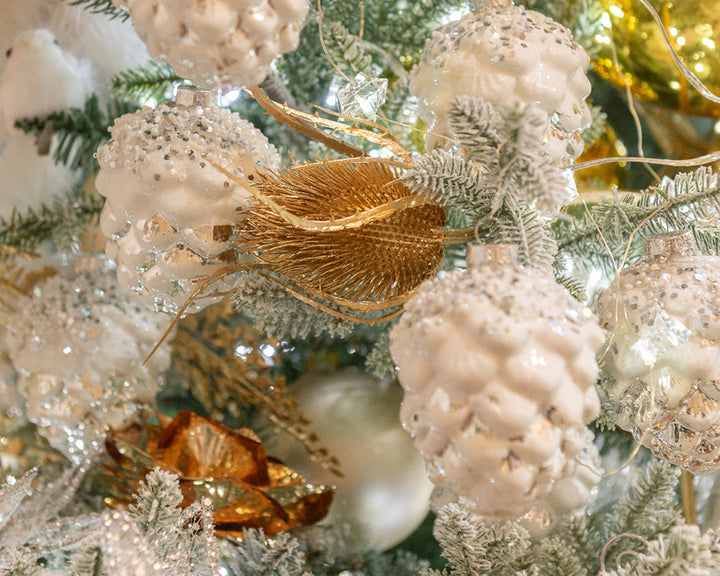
{"points": [[169, 215], [663, 361], [569, 495], [384, 494], [498, 367], [507, 55], [79, 341], [218, 43]]}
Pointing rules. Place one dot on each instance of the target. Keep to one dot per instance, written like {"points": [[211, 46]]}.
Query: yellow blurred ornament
{"points": [[607, 145], [644, 59]]}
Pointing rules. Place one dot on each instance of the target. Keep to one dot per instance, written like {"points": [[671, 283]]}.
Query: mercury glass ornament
{"points": [[169, 215], [646, 64], [218, 43], [79, 341], [383, 495], [498, 367], [663, 359], [506, 54]]}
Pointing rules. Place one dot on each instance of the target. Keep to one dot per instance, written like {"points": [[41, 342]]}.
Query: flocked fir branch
{"points": [[274, 311], [645, 522], [346, 50], [688, 202], [499, 181]]}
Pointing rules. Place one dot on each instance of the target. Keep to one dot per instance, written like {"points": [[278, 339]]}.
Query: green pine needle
{"points": [[151, 81], [101, 7], [63, 221], [78, 131]]}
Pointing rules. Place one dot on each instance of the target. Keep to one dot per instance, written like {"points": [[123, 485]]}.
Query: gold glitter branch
{"points": [[226, 364]]}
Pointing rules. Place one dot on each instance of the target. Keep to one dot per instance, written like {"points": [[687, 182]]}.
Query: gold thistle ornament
{"points": [[505, 55], [325, 247], [218, 43], [646, 64], [169, 215], [661, 365], [344, 235], [498, 367]]}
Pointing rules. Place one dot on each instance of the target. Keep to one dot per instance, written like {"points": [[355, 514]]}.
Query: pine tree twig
{"points": [[101, 7], [64, 221], [79, 131], [153, 80]]}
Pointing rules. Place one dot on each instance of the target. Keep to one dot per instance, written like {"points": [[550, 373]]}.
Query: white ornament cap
{"points": [[479, 6], [504, 254], [188, 97], [666, 246]]}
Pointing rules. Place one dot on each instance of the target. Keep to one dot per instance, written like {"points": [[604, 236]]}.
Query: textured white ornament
{"points": [[79, 341], [169, 215], [218, 43], [569, 495], [498, 367], [507, 55], [663, 362], [384, 494]]}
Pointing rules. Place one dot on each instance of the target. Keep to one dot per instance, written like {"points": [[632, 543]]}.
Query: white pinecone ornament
{"points": [[505, 55], [663, 361], [498, 367], [218, 43], [169, 215], [569, 495], [79, 341]]}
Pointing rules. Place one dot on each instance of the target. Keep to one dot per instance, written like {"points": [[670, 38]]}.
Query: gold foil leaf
{"points": [[248, 490]]}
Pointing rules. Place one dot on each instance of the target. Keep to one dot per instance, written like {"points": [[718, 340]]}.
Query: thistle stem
{"points": [[687, 496]]}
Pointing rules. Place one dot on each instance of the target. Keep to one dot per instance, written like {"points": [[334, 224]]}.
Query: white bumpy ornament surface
{"points": [[218, 43], [507, 55], [79, 342], [569, 495], [661, 369], [169, 215], [498, 367]]}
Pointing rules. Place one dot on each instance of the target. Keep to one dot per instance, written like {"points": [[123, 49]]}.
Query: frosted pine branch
{"points": [[451, 180], [476, 124], [689, 202], [155, 505], [684, 551], [277, 313], [558, 558], [346, 49], [474, 547]]}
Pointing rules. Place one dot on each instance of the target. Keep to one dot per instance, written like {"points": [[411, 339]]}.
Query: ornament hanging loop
{"points": [[504, 254], [666, 246], [188, 97], [480, 6]]}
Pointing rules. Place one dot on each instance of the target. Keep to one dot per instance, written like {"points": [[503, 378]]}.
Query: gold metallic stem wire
{"points": [[687, 497]]}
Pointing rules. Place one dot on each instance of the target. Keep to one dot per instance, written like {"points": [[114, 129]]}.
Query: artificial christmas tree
{"points": [[288, 236]]}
